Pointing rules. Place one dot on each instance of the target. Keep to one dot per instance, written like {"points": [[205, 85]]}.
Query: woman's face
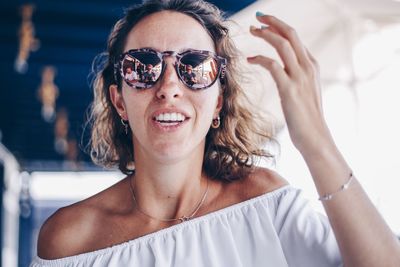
{"points": [[153, 137]]}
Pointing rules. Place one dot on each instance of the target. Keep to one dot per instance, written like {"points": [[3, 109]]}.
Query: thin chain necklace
{"points": [[181, 219]]}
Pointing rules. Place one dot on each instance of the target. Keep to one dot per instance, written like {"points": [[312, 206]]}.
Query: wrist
{"points": [[318, 146]]}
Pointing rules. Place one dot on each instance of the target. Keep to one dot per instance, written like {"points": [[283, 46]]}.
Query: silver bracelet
{"points": [[342, 188]]}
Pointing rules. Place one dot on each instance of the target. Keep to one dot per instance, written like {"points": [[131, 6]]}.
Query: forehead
{"points": [[169, 31]]}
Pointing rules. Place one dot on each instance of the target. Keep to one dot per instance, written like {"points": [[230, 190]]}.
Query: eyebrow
{"points": [[155, 49]]}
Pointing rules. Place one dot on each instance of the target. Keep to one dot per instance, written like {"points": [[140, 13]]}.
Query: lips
{"points": [[169, 119]]}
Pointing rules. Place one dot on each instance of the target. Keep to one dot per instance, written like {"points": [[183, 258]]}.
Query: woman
{"points": [[193, 195]]}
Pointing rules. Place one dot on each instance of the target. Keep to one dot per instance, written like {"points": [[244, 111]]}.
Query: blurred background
{"points": [[47, 48]]}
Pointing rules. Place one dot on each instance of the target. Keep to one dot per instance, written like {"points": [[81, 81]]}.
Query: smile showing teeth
{"points": [[170, 119]]}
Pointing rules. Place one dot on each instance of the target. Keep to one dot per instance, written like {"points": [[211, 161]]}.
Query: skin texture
{"points": [[363, 236], [168, 181]]}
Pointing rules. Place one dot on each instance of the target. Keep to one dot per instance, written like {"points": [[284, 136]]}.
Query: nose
{"points": [[170, 87]]}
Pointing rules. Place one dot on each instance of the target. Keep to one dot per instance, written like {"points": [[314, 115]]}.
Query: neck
{"points": [[169, 189]]}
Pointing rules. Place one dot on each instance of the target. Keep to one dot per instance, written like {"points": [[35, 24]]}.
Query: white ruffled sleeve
{"points": [[306, 236]]}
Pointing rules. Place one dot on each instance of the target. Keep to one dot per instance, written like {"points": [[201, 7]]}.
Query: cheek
{"points": [[136, 104], [135, 112], [206, 104]]}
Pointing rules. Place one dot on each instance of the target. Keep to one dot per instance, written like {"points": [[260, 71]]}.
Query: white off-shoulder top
{"points": [[275, 229]]}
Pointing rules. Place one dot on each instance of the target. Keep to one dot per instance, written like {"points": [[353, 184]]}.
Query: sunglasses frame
{"points": [[221, 64]]}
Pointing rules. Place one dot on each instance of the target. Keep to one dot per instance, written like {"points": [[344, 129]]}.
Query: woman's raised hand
{"points": [[297, 81], [357, 225]]}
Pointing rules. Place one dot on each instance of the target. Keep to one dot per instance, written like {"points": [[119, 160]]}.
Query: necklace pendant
{"points": [[184, 219]]}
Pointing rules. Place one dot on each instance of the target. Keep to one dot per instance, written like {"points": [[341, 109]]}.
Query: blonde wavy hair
{"points": [[230, 150]]}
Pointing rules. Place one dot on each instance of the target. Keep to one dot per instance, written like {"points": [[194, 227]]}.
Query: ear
{"points": [[118, 101]]}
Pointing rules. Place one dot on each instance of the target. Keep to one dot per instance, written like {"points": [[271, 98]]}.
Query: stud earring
{"points": [[216, 122]]}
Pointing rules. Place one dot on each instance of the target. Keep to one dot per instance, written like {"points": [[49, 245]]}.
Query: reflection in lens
{"points": [[198, 70], [141, 69]]}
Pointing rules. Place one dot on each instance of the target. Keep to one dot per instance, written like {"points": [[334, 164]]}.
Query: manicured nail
{"points": [[253, 28], [259, 14], [264, 27]]}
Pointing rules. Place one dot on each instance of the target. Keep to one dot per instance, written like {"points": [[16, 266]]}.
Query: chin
{"points": [[169, 153]]}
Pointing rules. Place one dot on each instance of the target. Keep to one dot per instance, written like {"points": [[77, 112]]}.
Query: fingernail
{"points": [[259, 14], [253, 28], [264, 27]]}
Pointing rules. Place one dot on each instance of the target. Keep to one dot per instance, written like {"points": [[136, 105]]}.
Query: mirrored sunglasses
{"points": [[197, 69]]}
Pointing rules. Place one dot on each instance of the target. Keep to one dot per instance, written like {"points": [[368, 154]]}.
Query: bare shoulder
{"points": [[76, 229], [260, 181], [58, 235]]}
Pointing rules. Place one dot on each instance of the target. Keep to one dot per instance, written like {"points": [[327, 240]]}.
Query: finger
{"points": [[315, 71], [288, 33], [312, 59], [282, 46], [277, 72]]}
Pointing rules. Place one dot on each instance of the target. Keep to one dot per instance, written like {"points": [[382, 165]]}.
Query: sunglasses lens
{"points": [[198, 70], [141, 69]]}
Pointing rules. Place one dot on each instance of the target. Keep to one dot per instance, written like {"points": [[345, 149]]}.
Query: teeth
{"points": [[174, 117], [170, 117]]}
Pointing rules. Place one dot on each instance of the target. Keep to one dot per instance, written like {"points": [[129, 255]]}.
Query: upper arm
{"points": [[63, 234]]}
